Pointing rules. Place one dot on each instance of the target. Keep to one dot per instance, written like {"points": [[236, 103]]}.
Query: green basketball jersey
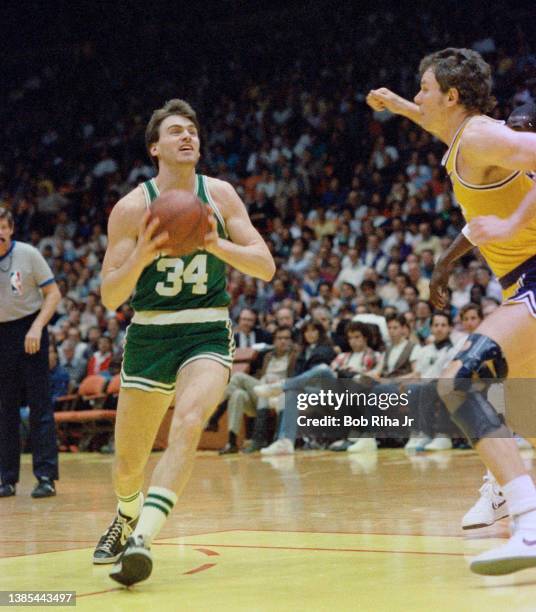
{"points": [[197, 280]]}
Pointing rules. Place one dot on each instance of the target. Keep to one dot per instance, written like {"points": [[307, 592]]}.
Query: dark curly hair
{"points": [[314, 324], [466, 71]]}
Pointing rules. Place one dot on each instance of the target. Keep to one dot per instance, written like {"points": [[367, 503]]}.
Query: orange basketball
{"points": [[184, 217]]}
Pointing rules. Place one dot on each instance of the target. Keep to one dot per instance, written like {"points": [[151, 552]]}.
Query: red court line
{"points": [[363, 533], [45, 541], [201, 568], [98, 592], [208, 552], [45, 552], [312, 549]]}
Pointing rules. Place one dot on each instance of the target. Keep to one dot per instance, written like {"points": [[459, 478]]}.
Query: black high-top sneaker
{"points": [[113, 540], [135, 563]]}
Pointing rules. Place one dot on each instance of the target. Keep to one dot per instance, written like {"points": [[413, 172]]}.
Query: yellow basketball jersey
{"points": [[500, 199]]}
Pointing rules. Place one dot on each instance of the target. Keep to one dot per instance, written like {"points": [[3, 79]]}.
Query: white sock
{"points": [[520, 494], [157, 506], [491, 477], [131, 505]]}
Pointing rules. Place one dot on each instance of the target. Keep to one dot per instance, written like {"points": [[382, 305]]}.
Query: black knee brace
{"points": [[469, 408], [483, 357], [476, 417]]}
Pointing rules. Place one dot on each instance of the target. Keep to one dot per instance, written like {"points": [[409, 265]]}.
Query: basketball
{"points": [[184, 217]]}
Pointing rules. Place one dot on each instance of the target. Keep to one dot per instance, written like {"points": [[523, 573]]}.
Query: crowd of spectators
{"points": [[354, 205]]}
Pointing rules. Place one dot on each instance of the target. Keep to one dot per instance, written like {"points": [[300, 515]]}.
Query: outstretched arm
{"points": [[384, 99], [246, 250]]}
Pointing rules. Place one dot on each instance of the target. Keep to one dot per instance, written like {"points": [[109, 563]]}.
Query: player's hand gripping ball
{"points": [[184, 217]]}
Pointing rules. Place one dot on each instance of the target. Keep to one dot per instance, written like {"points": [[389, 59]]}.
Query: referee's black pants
{"points": [[24, 380]]}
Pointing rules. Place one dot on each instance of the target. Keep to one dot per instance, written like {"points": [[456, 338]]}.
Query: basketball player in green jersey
{"points": [[180, 341]]}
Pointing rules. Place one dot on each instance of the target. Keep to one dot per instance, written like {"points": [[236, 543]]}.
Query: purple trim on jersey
{"points": [[47, 282]]}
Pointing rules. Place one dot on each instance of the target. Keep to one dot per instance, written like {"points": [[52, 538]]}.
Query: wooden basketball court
{"points": [[313, 531]]}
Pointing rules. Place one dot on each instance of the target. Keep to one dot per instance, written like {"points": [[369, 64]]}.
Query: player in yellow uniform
{"points": [[488, 165], [491, 505]]}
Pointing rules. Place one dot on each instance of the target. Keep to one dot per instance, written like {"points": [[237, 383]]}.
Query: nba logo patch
{"points": [[16, 282]]}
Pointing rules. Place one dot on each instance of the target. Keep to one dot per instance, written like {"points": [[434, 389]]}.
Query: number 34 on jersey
{"points": [[194, 274]]}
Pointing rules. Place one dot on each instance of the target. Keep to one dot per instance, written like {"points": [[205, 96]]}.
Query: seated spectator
{"points": [[410, 320], [310, 284], [461, 293], [327, 298], [471, 316], [353, 270], [426, 241], [477, 293], [427, 265], [116, 335], [286, 317], [375, 320], [279, 293], [396, 364], [99, 363], [74, 337], [88, 318], [300, 259], [373, 257], [374, 305], [347, 294], [93, 335], [423, 319], [323, 315], [340, 324], [241, 399], [416, 278], [321, 224], [410, 295], [59, 377], [401, 354], [429, 433], [491, 286], [247, 333], [388, 290], [361, 359], [249, 299], [75, 367], [401, 282]]}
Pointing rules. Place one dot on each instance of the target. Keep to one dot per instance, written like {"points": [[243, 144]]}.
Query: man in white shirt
{"points": [[425, 240], [353, 270], [242, 400], [431, 361], [373, 257], [388, 291]]}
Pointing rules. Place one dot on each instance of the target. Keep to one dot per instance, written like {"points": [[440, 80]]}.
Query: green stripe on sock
{"points": [[161, 498], [158, 506], [129, 499]]}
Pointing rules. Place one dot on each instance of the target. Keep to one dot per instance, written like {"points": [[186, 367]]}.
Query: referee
{"points": [[28, 299]]}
